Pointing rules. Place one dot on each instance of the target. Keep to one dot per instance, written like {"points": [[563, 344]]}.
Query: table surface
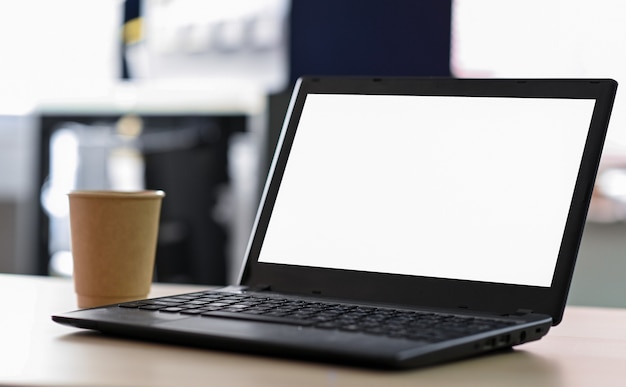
{"points": [[587, 348]]}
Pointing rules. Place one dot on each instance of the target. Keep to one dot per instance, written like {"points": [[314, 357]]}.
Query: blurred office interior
{"points": [[188, 96]]}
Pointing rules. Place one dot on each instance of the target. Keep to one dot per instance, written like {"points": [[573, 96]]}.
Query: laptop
{"points": [[404, 222]]}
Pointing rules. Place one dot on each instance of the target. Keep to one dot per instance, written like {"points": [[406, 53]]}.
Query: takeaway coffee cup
{"points": [[113, 236]]}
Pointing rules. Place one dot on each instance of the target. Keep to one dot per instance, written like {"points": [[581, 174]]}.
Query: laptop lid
{"points": [[454, 193]]}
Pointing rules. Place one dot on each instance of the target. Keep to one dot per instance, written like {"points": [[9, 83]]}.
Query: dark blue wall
{"points": [[370, 37]]}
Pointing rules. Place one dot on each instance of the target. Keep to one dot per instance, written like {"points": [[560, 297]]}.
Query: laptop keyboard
{"points": [[413, 325]]}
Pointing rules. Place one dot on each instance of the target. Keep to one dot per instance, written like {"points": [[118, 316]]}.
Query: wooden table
{"points": [[587, 349]]}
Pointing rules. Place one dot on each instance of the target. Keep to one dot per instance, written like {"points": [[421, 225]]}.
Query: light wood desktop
{"points": [[588, 348]]}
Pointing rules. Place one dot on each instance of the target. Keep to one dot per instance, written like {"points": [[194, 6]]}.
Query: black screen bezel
{"points": [[427, 291]]}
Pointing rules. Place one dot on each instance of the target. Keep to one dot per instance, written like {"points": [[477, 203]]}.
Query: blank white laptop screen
{"points": [[468, 188]]}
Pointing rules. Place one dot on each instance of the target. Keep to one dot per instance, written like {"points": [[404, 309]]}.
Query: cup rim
{"points": [[139, 194]]}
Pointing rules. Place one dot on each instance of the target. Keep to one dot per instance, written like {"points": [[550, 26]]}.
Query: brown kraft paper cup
{"points": [[113, 236]]}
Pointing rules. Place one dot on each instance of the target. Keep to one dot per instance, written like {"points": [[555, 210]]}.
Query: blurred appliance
{"points": [[184, 155]]}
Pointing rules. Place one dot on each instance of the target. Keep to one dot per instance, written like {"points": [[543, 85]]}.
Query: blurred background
{"points": [[188, 96]]}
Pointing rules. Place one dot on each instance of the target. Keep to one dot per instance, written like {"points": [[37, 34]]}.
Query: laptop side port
{"points": [[504, 340]]}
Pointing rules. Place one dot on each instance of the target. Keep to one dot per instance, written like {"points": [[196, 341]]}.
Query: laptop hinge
{"points": [[259, 288], [522, 312]]}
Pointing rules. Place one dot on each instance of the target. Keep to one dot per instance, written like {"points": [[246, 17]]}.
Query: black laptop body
{"points": [[404, 222]]}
